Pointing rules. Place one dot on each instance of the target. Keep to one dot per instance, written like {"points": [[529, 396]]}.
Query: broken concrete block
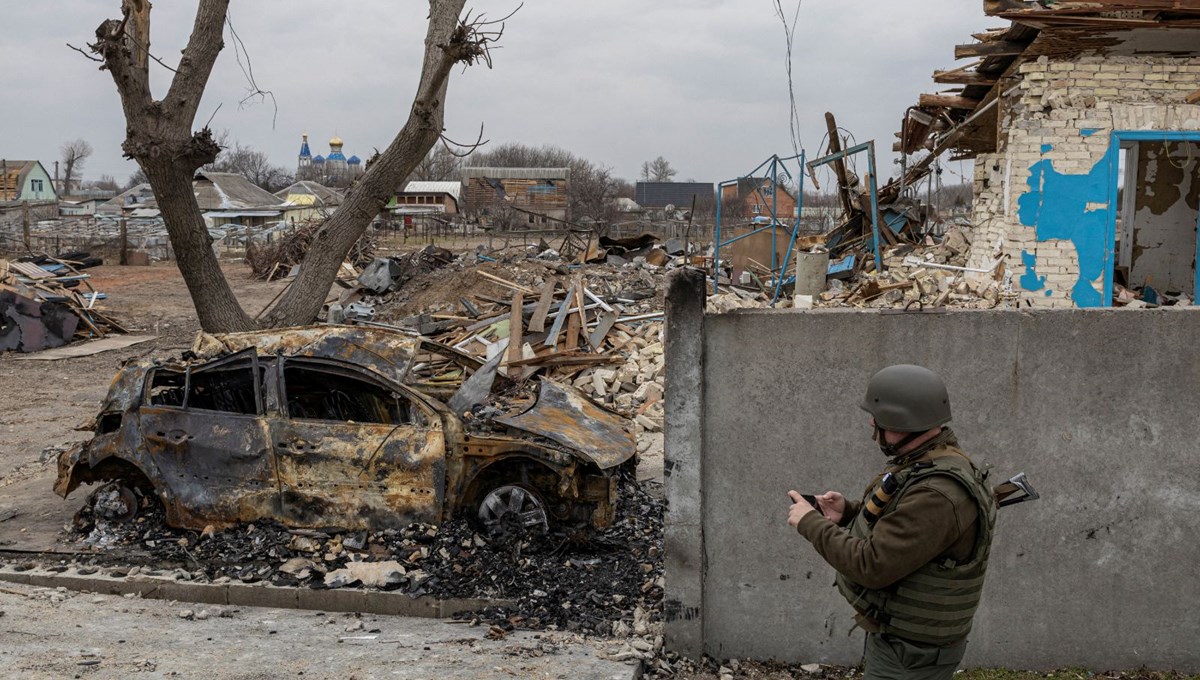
{"points": [[370, 574]]}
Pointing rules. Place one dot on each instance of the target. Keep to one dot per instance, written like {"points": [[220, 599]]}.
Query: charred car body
{"points": [[348, 427]]}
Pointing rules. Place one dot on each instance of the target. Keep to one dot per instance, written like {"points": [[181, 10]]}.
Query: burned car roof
{"points": [[385, 351]]}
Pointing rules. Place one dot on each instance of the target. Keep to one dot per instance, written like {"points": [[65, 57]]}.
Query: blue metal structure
{"points": [[775, 165], [869, 149], [1117, 138]]}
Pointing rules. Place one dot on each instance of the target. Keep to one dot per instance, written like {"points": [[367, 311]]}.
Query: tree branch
{"points": [[196, 64]]}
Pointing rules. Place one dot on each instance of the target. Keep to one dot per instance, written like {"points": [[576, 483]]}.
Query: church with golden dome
{"points": [[334, 170]]}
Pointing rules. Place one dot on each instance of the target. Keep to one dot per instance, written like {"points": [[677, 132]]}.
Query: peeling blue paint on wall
{"points": [[1057, 208], [1030, 279], [1046, 148], [1088, 132]]}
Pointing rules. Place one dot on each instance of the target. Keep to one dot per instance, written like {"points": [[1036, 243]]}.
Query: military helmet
{"points": [[907, 398]]}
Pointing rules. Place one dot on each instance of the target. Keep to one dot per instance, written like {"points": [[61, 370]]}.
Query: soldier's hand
{"points": [[833, 505], [799, 509]]}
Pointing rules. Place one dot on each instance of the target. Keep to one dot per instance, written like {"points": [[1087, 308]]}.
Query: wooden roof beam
{"points": [[963, 78], [947, 101], [998, 48]]}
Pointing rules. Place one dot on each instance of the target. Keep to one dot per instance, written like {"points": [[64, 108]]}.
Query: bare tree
{"points": [[135, 178], [658, 170], [440, 164], [105, 183], [252, 164], [160, 138], [73, 154]]}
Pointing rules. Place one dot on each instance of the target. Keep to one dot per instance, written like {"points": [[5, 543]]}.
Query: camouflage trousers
{"points": [[887, 657]]}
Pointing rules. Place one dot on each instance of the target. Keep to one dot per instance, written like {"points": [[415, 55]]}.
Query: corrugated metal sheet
{"points": [[452, 188]]}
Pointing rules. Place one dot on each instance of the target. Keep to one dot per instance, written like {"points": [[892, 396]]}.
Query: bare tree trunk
{"points": [[444, 41], [160, 138]]}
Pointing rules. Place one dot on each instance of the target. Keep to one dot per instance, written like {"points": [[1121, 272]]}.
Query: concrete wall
{"points": [[1097, 406], [1045, 196]]}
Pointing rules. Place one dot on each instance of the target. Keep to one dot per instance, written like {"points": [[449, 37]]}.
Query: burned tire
{"points": [[114, 502], [512, 508]]}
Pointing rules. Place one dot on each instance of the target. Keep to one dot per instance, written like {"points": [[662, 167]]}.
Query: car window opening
{"points": [[322, 394], [166, 387], [228, 388]]}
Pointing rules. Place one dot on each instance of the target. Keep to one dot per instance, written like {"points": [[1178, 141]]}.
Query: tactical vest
{"points": [[934, 604]]}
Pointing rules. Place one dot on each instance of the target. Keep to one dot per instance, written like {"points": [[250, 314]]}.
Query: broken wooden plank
{"points": [[582, 310], [607, 320], [537, 323], [504, 282], [948, 101], [997, 48], [572, 332], [563, 310], [568, 359], [515, 332], [958, 77]]}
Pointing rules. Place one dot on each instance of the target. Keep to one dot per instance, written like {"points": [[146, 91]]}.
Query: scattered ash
{"points": [[596, 581]]}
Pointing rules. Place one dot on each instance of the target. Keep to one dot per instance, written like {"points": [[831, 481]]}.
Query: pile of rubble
{"points": [[931, 274], [597, 326], [606, 582], [48, 302]]}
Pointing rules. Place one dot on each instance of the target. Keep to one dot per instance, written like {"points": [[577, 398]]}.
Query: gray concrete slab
{"points": [[45, 633], [1098, 406]]}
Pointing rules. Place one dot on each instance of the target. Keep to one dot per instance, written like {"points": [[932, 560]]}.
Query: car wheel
{"points": [[508, 507], [114, 502]]}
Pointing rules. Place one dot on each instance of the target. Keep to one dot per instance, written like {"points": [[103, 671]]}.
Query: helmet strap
{"points": [[893, 450]]}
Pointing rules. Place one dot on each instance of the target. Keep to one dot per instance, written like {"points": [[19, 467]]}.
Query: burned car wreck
{"points": [[347, 427]]}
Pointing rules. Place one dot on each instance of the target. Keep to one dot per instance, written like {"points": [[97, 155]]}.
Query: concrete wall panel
{"points": [[1098, 406]]}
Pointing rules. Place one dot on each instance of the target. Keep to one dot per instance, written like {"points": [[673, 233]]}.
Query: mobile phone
{"points": [[811, 500]]}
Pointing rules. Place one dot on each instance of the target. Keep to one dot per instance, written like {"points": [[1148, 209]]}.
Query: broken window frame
{"points": [[243, 355], [420, 415], [1119, 139]]}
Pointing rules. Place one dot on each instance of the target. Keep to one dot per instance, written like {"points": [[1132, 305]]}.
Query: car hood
{"points": [[564, 415]]}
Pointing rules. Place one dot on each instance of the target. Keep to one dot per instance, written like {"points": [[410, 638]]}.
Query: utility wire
{"points": [[789, 32]]}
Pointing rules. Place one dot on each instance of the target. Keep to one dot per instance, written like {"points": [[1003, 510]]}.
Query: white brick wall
{"points": [[1056, 103]]}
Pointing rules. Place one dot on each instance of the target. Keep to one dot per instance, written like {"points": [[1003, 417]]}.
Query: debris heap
{"points": [[600, 582], [42, 304]]}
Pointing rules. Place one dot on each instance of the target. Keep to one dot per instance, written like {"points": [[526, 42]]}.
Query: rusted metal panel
{"points": [[359, 476], [564, 415]]}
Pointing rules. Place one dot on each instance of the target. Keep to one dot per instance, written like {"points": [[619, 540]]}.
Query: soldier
{"points": [[911, 556]]}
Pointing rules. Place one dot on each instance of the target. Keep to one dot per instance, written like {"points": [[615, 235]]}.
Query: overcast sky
{"points": [[700, 82]]}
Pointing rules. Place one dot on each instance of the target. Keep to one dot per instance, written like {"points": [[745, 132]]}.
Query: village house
{"points": [[426, 198], [307, 200], [517, 197], [758, 196], [25, 181], [1084, 122]]}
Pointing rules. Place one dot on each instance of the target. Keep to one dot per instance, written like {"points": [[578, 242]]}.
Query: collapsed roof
{"points": [[964, 119]]}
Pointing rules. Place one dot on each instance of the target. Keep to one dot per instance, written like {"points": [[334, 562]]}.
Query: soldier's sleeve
{"points": [[922, 526], [852, 509]]}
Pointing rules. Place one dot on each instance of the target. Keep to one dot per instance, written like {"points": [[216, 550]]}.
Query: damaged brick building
{"points": [[1084, 123]]}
